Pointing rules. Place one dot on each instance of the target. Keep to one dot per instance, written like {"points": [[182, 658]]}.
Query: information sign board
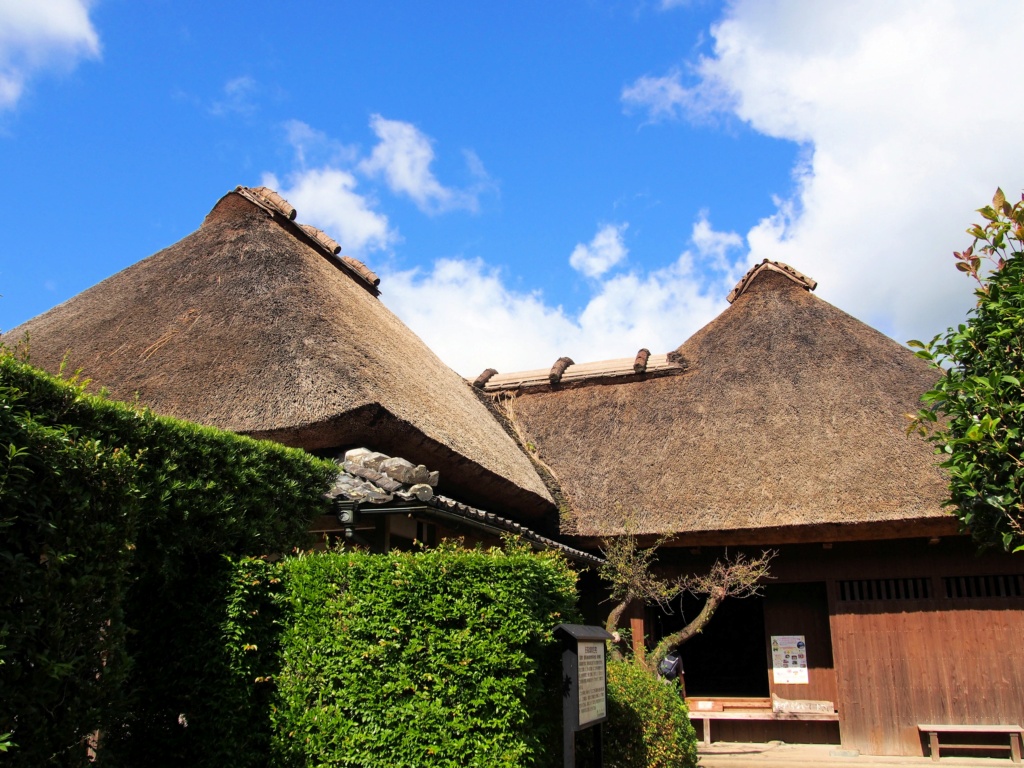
{"points": [[590, 672], [789, 660], [584, 692]]}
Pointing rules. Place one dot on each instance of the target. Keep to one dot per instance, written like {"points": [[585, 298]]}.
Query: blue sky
{"points": [[530, 179]]}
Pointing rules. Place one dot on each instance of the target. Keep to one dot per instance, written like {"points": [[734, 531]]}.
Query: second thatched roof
{"points": [[254, 324], [786, 414]]}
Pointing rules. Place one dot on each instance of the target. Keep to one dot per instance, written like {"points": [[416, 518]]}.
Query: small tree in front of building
{"points": [[975, 413], [629, 568]]}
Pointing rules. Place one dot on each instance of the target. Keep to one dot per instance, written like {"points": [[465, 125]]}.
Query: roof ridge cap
{"points": [[272, 202], [567, 373], [782, 268], [268, 199]]}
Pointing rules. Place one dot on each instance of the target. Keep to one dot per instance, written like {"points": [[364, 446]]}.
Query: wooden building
{"points": [[780, 425]]}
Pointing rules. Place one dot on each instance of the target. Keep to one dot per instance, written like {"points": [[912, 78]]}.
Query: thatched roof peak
{"points": [[770, 266], [251, 324], [786, 414], [284, 213]]}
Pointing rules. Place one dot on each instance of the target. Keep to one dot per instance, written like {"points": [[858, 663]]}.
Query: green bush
{"points": [[974, 414], [68, 509], [112, 581], [648, 723], [443, 657]]}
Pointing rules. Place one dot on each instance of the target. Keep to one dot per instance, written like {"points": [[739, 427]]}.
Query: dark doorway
{"points": [[728, 657]]}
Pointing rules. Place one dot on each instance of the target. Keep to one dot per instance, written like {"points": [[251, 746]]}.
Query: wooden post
{"points": [[638, 629]]}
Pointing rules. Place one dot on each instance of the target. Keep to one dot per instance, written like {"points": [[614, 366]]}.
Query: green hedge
{"points": [[437, 658], [648, 722], [112, 583], [68, 506]]}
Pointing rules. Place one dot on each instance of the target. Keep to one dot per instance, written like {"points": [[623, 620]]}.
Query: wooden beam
{"points": [[801, 534]]}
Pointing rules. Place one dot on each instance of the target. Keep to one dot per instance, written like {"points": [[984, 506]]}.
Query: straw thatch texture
{"points": [[790, 413], [247, 326]]}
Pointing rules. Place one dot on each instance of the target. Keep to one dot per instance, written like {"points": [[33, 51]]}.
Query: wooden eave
{"points": [[818, 533]]}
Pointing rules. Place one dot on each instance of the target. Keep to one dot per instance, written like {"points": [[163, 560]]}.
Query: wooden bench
{"points": [[707, 710], [933, 730]]}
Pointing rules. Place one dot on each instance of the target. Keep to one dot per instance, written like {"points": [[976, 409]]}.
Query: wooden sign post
{"points": [[584, 686]]}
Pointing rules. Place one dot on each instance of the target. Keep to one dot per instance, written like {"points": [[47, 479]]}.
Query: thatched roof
{"points": [[787, 413], [252, 324]]}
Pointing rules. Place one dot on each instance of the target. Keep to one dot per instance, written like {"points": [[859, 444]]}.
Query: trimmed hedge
{"points": [[648, 722], [112, 583], [68, 505], [442, 657]]}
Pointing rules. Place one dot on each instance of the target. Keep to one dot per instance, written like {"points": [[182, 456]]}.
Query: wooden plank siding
{"points": [[802, 609], [920, 631], [943, 661]]}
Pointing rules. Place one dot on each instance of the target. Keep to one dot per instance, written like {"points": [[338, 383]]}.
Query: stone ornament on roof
{"points": [[377, 478]]}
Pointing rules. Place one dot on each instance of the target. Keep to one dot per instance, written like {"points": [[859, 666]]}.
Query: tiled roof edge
{"points": [[472, 514]]}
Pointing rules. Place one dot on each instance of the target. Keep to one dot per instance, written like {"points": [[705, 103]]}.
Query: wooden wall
{"points": [[802, 609], [937, 661], [916, 635]]}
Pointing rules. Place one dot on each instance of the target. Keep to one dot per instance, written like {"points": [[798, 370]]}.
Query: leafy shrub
{"points": [[68, 508], [648, 723], [112, 583], [443, 657], [975, 413]]}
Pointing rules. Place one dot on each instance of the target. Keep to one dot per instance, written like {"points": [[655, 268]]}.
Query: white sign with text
{"points": [[592, 704]]}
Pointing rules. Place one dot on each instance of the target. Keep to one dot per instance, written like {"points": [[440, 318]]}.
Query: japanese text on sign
{"points": [[591, 682]]}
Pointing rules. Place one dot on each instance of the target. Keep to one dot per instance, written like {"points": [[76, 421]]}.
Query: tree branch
{"points": [[670, 642]]}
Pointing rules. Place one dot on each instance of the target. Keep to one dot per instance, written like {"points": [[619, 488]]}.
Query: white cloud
{"points": [[327, 198], [38, 35], [464, 311], [237, 97], [323, 185], [662, 97], [403, 158], [467, 315], [313, 147], [909, 125], [716, 247], [666, 98], [602, 253]]}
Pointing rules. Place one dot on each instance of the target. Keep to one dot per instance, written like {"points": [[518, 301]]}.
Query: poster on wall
{"points": [[789, 660]]}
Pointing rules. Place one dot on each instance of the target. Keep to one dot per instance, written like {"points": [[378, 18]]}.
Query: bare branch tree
{"points": [[735, 576], [629, 569]]}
